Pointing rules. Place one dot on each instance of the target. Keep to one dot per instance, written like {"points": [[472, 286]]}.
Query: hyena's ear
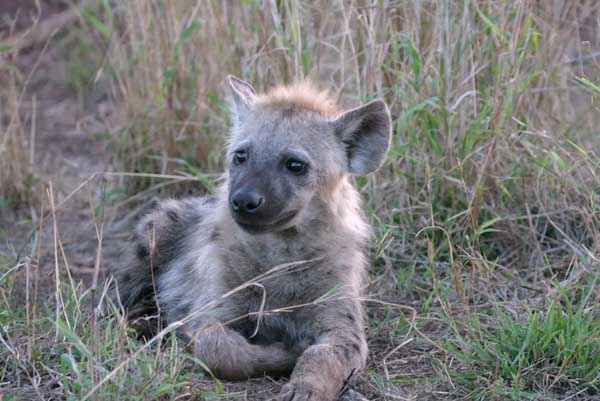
{"points": [[243, 95], [366, 134]]}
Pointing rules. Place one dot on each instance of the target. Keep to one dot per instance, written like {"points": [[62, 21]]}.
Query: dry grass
{"points": [[16, 165], [486, 212]]}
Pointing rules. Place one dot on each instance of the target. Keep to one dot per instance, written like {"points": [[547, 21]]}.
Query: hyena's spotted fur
{"points": [[259, 293]]}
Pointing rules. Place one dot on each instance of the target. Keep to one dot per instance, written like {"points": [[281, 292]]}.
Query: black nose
{"points": [[246, 201]]}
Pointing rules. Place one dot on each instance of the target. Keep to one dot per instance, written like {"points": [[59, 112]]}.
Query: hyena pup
{"points": [[266, 274]]}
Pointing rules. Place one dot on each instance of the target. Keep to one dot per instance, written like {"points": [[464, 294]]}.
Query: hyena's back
{"points": [[161, 240]]}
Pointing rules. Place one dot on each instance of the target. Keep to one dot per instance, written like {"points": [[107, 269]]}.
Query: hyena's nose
{"points": [[246, 201]]}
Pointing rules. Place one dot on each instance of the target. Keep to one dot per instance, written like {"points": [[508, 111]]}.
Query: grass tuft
{"points": [[17, 180], [554, 350]]}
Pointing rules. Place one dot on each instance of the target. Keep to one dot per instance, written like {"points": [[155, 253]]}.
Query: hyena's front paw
{"points": [[304, 390]]}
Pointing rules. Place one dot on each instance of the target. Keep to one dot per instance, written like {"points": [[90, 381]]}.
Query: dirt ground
{"points": [[17, 15]]}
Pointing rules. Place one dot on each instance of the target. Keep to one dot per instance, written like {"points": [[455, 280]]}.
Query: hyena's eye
{"points": [[296, 166], [239, 157]]}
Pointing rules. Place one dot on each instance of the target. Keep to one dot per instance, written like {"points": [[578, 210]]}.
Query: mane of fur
{"points": [[300, 97], [344, 202]]}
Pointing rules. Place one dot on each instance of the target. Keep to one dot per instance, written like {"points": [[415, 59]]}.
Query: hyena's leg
{"points": [[339, 351], [229, 355]]}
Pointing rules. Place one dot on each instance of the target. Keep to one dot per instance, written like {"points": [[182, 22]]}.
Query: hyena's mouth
{"points": [[281, 223]]}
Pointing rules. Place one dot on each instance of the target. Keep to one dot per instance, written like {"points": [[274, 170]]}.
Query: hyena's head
{"points": [[291, 145]]}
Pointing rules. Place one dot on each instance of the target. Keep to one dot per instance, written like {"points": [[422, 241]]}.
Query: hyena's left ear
{"points": [[243, 96], [366, 134]]}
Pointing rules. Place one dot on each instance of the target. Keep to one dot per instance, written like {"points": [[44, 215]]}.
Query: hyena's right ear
{"points": [[243, 95], [366, 134]]}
